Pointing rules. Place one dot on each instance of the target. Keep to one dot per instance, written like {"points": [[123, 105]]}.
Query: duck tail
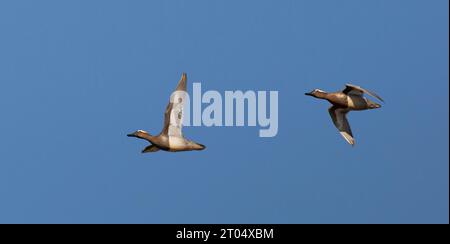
{"points": [[373, 105]]}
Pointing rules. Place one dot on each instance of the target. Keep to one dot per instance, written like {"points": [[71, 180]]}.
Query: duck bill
{"points": [[308, 94]]}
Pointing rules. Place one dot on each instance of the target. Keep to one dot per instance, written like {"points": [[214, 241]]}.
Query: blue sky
{"points": [[77, 76]]}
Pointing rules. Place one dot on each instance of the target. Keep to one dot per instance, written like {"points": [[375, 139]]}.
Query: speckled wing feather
{"points": [[359, 91], [173, 117], [338, 115]]}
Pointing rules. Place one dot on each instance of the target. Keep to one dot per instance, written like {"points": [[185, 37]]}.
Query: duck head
{"points": [[317, 93], [139, 134]]}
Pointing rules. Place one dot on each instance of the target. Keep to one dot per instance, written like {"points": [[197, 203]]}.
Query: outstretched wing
{"points": [[338, 115], [149, 149], [359, 91], [173, 117]]}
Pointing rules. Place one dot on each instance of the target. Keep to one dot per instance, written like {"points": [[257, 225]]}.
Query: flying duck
{"points": [[349, 99], [171, 137]]}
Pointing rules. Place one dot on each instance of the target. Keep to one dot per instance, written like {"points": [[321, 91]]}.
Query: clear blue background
{"points": [[77, 76]]}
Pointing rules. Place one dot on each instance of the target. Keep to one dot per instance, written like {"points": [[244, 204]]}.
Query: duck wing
{"points": [[151, 148], [173, 117], [359, 91], [338, 115]]}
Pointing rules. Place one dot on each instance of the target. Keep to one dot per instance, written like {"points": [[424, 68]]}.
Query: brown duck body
{"points": [[171, 137], [166, 143], [351, 102], [349, 99]]}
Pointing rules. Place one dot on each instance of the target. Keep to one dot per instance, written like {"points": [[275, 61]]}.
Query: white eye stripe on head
{"points": [[318, 90]]}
